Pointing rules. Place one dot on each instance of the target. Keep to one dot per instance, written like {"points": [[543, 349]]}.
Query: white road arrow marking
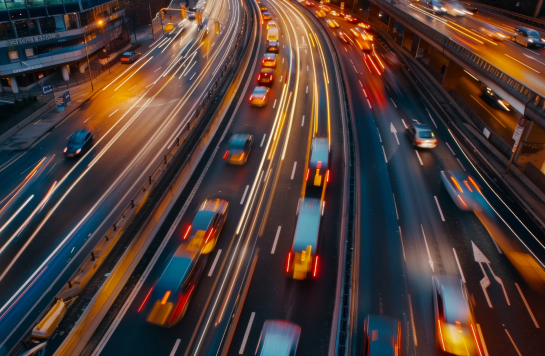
{"points": [[427, 248], [485, 282], [394, 131]]}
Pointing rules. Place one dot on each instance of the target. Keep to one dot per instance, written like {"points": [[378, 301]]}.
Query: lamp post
{"points": [[87, 54]]}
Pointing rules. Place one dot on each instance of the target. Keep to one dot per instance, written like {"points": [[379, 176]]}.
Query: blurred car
{"points": [[470, 7], [351, 19], [239, 149], [454, 323], [171, 294], [265, 76], [270, 60], [78, 142], [493, 100], [363, 44], [260, 96], [320, 13], [364, 25], [272, 46], [262, 7], [462, 188], [493, 33], [191, 16], [334, 13], [381, 336], [324, 8], [355, 33], [391, 57], [343, 37], [168, 27], [421, 136], [130, 57], [528, 37], [266, 15], [332, 23], [271, 24], [278, 338], [308, 3], [436, 7]]}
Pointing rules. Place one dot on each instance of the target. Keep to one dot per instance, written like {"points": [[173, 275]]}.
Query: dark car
{"points": [[266, 76], [78, 142], [278, 338], [381, 336], [130, 57], [239, 149], [272, 46], [171, 294], [527, 37]]}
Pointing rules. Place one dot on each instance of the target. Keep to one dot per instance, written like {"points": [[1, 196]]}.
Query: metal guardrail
{"points": [[534, 103], [19, 117], [513, 15], [535, 175]]}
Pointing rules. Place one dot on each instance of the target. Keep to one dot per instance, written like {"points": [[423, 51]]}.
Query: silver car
{"points": [[421, 135], [528, 37]]}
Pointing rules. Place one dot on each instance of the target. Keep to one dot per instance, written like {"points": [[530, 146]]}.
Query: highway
{"points": [[263, 197], [52, 218], [421, 231], [526, 65]]}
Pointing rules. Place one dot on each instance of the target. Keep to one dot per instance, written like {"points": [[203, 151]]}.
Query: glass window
{"points": [[35, 3], [53, 2], [6, 31], [52, 24], [71, 21], [15, 4], [13, 56], [26, 28], [29, 52], [59, 23]]}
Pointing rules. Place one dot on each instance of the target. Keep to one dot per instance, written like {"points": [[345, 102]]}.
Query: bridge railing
{"points": [[534, 103], [513, 15]]}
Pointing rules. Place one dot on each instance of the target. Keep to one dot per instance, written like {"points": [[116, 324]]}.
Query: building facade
{"points": [[40, 37]]}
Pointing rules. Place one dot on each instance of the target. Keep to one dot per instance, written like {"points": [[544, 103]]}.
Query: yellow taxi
{"points": [[260, 96], [269, 60]]}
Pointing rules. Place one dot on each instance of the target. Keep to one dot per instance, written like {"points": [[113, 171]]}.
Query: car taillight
{"points": [[78, 151], [226, 154], [327, 176], [308, 174], [263, 61], [315, 267], [289, 260], [65, 149], [187, 232], [251, 97], [271, 78], [418, 142], [259, 77], [145, 300]]}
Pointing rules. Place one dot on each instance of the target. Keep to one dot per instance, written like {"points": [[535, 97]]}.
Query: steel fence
{"points": [[535, 175]]}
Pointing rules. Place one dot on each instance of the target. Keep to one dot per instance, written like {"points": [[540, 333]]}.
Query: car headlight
{"points": [[435, 8], [444, 9], [530, 40], [65, 149], [78, 151], [543, 40]]}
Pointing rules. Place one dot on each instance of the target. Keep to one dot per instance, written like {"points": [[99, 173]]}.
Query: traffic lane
{"points": [[463, 229], [80, 239]]}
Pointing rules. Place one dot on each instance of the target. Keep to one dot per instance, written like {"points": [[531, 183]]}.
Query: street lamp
{"points": [[87, 54]]}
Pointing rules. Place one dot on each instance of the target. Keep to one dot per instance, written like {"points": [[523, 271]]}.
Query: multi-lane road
{"points": [[52, 218], [408, 228]]}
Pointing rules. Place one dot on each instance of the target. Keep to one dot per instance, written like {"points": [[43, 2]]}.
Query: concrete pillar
{"points": [[528, 127], [65, 74], [373, 15], [14, 86], [83, 67], [438, 60], [407, 41], [452, 74]]}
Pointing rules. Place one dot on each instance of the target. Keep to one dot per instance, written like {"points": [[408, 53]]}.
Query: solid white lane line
{"points": [[263, 140], [427, 248], [482, 339], [439, 207], [113, 113], [461, 164], [526, 67], [412, 321], [420, 160], [176, 344], [402, 247], [404, 124], [379, 137], [244, 195], [190, 68], [157, 69], [393, 102], [293, 171], [527, 306], [395, 206], [132, 87], [248, 328], [383, 151], [88, 119], [214, 264], [276, 239], [510, 338], [459, 267], [274, 105], [303, 122], [450, 148]]}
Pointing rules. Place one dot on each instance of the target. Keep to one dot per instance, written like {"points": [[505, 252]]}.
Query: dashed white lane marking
{"points": [[274, 103], [395, 206], [293, 171], [244, 195], [450, 148], [87, 120], [379, 137], [303, 121], [402, 247], [412, 321], [192, 76], [439, 207], [361, 85], [113, 113], [248, 328], [307, 89], [214, 264], [393, 102], [276, 239], [176, 344], [510, 338], [432, 120], [461, 164], [459, 267], [419, 159], [368, 102], [383, 151], [157, 69], [263, 140], [307, 67], [527, 306]]}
